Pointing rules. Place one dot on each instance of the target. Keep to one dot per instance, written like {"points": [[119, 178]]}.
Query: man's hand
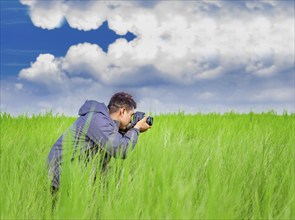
{"points": [[141, 125]]}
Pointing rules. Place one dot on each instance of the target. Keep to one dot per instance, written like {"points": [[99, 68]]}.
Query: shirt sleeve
{"points": [[103, 131]]}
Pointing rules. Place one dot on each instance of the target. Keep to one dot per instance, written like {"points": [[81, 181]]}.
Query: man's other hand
{"points": [[141, 125]]}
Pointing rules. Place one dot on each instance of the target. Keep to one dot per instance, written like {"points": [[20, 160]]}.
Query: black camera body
{"points": [[140, 115], [136, 118]]}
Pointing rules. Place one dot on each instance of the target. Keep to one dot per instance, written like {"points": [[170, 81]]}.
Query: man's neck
{"points": [[114, 116]]}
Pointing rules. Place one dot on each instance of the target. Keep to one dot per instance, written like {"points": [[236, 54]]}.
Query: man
{"points": [[98, 130]]}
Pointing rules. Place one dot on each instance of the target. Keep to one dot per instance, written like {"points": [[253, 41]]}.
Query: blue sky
{"points": [[22, 42], [195, 56]]}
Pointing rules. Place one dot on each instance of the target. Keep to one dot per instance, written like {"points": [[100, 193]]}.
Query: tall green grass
{"points": [[211, 166]]}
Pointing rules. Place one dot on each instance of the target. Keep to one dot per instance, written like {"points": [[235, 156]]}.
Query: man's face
{"points": [[125, 117]]}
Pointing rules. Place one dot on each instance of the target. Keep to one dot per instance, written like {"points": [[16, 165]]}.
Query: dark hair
{"points": [[119, 100]]}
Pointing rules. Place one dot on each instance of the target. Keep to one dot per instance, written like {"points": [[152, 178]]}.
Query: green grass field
{"points": [[231, 166]]}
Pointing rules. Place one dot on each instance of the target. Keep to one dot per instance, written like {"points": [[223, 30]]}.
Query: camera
{"points": [[136, 118], [140, 115]]}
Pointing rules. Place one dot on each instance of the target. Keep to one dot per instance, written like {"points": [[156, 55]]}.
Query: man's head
{"points": [[121, 108]]}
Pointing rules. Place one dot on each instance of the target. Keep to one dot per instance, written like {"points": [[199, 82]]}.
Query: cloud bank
{"points": [[188, 50]]}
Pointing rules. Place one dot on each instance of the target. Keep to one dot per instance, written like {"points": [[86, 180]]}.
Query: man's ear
{"points": [[122, 110]]}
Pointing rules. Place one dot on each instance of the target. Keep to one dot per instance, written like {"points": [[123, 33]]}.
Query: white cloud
{"points": [[19, 86], [186, 43], [46, 14], [206, 95], [155, 99], [275, 94], [260, 4], [46, 69]]}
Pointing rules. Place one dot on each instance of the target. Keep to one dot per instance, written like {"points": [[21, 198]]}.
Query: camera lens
{"points": [[149, 121]]}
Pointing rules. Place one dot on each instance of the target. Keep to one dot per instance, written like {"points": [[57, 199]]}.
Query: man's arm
{"points": [[103, 131], [120, 143]]}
